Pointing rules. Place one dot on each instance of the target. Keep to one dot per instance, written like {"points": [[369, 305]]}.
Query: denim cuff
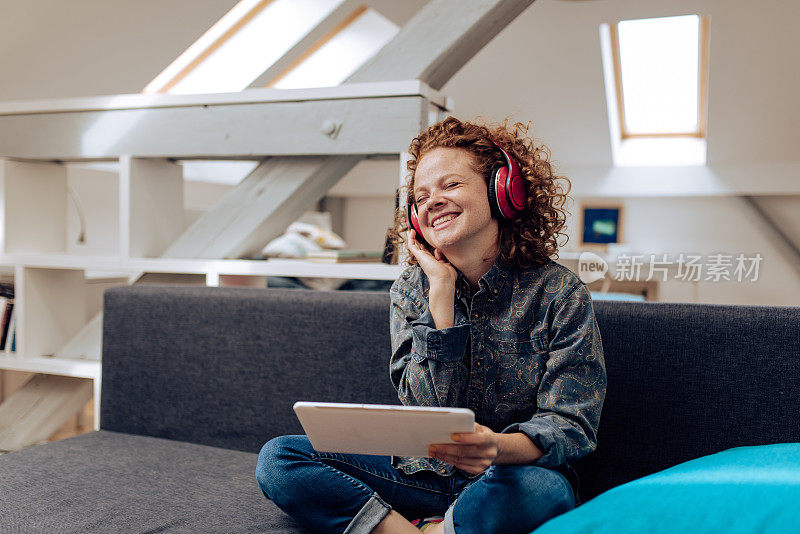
{"points": [[441, 345], [547, 436], [369, 516]]}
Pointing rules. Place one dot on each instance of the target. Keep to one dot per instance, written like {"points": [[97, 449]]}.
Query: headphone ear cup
{"points": [[494, 204], [509, 192], [413, 222], [506, 193], [516, 192]]}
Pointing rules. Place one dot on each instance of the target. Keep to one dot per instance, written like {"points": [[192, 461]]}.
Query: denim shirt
{"points": [[524, 354]]}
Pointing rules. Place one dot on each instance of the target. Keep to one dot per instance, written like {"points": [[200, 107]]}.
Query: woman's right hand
{"points": [[442, 277], [435, 266]]}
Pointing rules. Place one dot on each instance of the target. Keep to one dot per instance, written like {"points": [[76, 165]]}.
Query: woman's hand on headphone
{"points": [[435, 265]]}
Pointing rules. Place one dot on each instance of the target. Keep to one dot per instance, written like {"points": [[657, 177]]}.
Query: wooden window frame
{"points": [[241, 23], [344, 24], [214, 46], [702, 93]]}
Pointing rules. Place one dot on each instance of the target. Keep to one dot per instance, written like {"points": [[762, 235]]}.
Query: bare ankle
{"points": [[395, 523]]}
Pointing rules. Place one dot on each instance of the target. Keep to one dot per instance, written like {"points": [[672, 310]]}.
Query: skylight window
{"points": [[322, 42], [341, 53], [241, 45], [660, 76]]}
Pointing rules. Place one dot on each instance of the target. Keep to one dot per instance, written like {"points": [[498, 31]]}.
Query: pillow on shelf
{"points": [[300, 239], [745, 489]]}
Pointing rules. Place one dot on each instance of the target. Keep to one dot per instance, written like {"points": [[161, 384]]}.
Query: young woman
{"points": [[483, 319]]}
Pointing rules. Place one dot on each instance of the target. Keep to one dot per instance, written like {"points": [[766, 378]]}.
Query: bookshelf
{"points": [[139, 212], [57, 329]]}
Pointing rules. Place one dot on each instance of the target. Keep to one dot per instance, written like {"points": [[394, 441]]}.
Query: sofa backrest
{"points": [[686, 380], [223, 367]]}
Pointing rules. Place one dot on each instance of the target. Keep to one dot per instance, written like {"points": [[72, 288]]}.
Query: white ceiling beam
{"points": [[247, 96], [243, 130]]}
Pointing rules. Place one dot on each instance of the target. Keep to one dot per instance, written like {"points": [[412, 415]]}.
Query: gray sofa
{"points": [[196, 379]]}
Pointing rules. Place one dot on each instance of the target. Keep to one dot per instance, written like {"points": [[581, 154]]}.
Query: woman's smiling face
{"points": [[452, 201]]}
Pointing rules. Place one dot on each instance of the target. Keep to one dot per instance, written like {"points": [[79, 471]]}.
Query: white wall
{"points": [[705, 226], [95, 47], [97, 192]]}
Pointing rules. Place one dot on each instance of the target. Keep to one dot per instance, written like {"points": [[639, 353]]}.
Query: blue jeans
{"points": [[352, 493]]}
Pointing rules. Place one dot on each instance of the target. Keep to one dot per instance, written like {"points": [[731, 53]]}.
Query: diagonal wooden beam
{"points": [[439, 40], [276, 193], [35, 411], [431, 47], [772, 231]]}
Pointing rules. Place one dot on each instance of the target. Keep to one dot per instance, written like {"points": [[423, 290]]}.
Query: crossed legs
{"points": [[362, 494]]}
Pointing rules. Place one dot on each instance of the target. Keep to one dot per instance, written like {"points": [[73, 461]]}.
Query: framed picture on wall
{"points": [[600, 225]]}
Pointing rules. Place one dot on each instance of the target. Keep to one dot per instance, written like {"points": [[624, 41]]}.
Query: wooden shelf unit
{"points": [[51, 366], [52, 286], [118, 266], [57, 331]]}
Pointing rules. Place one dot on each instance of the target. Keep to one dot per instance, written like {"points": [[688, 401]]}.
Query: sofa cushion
{"points": [[746, 489], [111, 482]]}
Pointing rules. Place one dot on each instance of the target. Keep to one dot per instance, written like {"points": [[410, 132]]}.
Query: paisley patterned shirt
{"points": [[524, 354]]}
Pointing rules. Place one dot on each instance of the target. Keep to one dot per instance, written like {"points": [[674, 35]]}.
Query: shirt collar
{"points": [[496, 276], [494, 279]]}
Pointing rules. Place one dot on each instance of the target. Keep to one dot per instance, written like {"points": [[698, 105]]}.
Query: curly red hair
{"points": [[531, 238]]}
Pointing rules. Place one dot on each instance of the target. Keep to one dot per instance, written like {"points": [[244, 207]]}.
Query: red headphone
{"points": [[506, 194]]}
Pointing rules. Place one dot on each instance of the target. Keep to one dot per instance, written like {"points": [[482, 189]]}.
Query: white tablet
{"points": [[380, 428]]}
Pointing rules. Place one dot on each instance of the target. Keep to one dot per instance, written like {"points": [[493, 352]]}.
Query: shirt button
{"points": [[478, 363]]}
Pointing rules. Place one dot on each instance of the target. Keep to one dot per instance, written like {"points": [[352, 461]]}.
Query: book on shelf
{"points": [[7, 290], [344, 256], [7, 324], [11, 342]]}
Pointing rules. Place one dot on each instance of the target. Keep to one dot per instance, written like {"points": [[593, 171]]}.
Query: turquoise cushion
{"points": [[746, 489]]}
